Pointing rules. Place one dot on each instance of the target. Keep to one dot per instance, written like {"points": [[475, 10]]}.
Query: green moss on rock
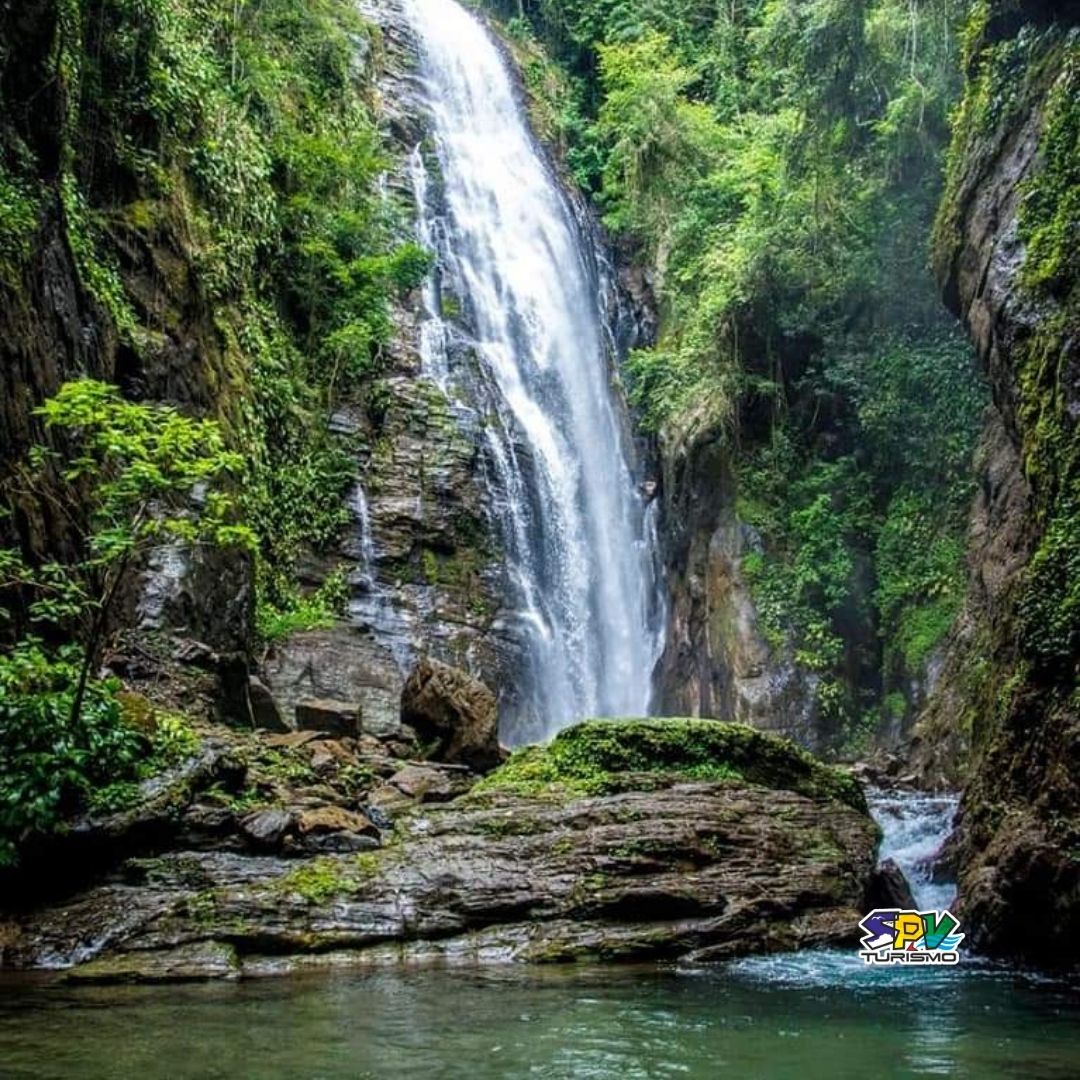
{"points": [[603, 756], [318, 881]]}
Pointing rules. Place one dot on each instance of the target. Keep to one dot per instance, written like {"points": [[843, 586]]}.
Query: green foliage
{"points": [[156, 473], [1049, 223], [777, 163], [53, 764], [556, 105], [98, 272], [312, 612], [49, 763], [814, 520], [18, 220], [920, 564], [1002, 75], [318, 880], [1036, 69], [140, 475], [1050, 212]]}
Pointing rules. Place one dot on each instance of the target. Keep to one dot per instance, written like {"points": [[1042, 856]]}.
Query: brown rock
{"points": [[328, 754], [424, 784], [329, 715], [454, 710], [292, 740], [389, 800], [326, 819]]}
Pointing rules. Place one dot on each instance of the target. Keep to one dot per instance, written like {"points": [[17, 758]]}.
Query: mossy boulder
{"points": [[605, 756]]}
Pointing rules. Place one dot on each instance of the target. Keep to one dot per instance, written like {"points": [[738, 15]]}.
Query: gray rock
{"points": [[197, 961], [264, 709], [267, 828], [341, 664], [341, 843], [329, 715], [699, 871], [380, 708]]}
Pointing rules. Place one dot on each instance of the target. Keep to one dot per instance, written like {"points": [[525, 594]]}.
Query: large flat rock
{"points": [[540, 862]]}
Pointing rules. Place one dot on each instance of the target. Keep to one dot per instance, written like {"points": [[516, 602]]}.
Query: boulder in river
{"points": [[889, 888]]}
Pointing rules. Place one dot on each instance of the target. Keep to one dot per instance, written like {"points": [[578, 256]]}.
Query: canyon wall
{"points": [[1005, 715]]}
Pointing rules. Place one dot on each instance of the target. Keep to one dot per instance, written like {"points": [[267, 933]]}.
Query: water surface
{"points": [[784, 1017]]}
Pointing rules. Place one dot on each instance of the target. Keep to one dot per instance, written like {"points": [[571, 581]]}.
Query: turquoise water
{"points": [[800, 1017]]}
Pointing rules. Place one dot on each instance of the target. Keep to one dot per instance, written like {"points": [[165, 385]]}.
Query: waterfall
{"points": [[914, 825], [578, 543]]}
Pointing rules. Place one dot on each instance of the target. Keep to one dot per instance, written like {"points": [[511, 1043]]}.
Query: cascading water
{"points": [[914, 825], [577, 537]]}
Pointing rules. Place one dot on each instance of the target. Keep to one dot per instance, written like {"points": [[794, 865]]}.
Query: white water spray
{"points": [[579, 548]]}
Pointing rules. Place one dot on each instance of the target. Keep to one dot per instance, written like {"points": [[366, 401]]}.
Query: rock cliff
{"points": [[1005, 713]]}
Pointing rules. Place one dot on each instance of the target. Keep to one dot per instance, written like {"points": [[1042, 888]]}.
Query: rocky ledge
{"points": [[631, 839]]}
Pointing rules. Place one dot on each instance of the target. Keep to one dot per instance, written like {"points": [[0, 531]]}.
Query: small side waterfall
{"points": [[914, 825], [517, 297]]}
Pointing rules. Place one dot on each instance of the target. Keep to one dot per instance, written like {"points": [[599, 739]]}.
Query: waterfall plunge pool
{"points": [[800, 1016]]}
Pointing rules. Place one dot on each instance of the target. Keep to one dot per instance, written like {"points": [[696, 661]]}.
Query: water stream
{"points": [[517, 299], [914, 825]]}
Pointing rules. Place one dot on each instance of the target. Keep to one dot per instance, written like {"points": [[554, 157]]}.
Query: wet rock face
{"points": [[459, 714], [716, 662], [53, 330], [421, 556], [889, 888], [1004, 716], [663, 866]]}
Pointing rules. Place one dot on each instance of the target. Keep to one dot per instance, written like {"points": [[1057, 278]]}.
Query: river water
{"points": [[601, 1022]]}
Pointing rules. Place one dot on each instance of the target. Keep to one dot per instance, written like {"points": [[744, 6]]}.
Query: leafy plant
{"points": [[139, 476], [52, 755]]}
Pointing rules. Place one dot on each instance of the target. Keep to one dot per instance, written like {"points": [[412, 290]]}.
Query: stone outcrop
{"points": [[625, 840], [1005, 713], [452, 712]]}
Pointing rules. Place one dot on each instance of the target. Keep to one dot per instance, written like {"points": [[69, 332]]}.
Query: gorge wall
{"points": [[1005, 255], [122, 261], [192, 267]]}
